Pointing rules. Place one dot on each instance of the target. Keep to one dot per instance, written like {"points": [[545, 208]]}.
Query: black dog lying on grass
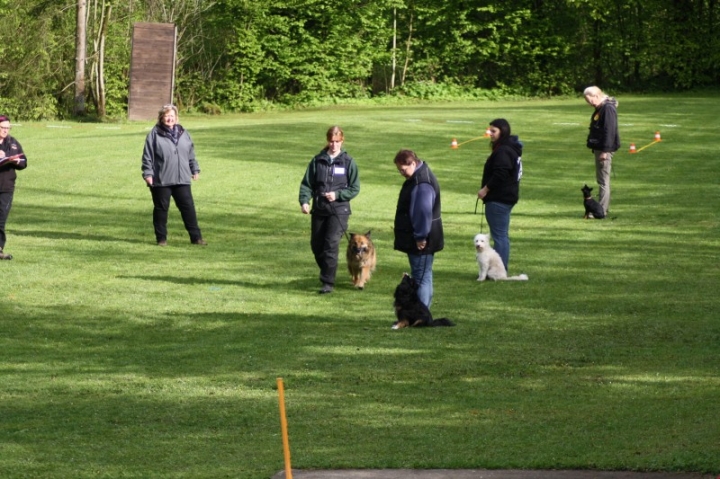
{"points": [[410, 311], [592, 207]]}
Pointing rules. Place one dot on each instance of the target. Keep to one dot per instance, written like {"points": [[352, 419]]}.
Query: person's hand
{"points": [[149, 180], [2, 154], [196, 176], [483, 192], [305, 208], [604, 156], [421, 244], [330, 196]]}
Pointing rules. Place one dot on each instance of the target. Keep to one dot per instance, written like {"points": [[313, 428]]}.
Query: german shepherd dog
{"points": [[361, 258], [592, 207], [409, 310]]}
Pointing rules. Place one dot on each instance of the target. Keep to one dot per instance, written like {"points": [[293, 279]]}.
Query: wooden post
{"points": [[283, 426]]}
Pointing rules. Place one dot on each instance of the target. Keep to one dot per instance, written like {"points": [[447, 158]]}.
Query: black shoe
{"points": [[327, 288]]}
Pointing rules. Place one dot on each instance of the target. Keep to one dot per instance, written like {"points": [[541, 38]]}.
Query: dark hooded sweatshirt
{"points": [[603, 135], [502, 172]]}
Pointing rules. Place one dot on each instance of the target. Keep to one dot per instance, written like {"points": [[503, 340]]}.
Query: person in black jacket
{"points": [[500, 188], [418, 223], [12, 158], [603, 139], [331, 180], [168, 168]]}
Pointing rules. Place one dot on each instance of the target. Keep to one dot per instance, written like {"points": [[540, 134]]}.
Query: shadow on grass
{"points": [[184, 391]]}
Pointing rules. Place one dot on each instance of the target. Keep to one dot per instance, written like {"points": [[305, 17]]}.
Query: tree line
{"points": [[244, 55]]}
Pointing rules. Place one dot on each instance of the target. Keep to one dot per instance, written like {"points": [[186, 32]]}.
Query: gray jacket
{"points": [[169, 162]]}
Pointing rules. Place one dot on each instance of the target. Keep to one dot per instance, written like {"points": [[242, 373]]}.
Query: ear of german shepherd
{"points": [[409, 310], [361, 258]]}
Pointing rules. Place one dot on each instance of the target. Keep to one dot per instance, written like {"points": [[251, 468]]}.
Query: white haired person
{"points": [[603, 139], [168, 168], [12, 159]]}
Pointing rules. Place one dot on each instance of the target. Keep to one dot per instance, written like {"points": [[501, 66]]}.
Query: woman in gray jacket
{"points": [[168, 166]]}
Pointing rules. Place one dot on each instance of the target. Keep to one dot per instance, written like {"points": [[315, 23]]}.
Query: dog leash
{"points": [[482, 213], [337, 217], [482, 218]]}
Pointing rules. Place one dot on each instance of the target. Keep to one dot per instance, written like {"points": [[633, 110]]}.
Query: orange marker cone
{"points": [[657, 136], [632, 148], [487, 133], [453, 144]]}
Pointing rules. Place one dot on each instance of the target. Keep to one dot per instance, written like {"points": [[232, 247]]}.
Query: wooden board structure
{"points": [[152, 69]]}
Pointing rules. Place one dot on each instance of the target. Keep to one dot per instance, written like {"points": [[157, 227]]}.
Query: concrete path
{"points": [[484, 474]]}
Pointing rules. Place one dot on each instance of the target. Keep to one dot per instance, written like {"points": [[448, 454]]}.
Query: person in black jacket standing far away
{"points": [[12, 159], [168, 168], [331, 180], [500, 186], [603, 139]]}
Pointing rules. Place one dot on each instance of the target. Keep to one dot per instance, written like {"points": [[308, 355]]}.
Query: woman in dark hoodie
{"points": [[501, 184]]}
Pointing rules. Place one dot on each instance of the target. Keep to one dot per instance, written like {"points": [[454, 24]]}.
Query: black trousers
{"points": [[325, 241], [182, 195], [6, 198]]}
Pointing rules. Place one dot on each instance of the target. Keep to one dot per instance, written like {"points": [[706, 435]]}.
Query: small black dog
{"points": [[592, 207], [410, 311]]}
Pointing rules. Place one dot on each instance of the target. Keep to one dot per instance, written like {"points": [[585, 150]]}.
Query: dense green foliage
{"points": [[119, 359], [238, 55]]}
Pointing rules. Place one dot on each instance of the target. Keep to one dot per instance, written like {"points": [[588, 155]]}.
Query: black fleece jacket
{"points": [[11, 147], [603, 134], [501, 172]]}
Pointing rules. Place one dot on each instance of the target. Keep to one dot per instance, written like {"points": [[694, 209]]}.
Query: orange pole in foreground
{"points": [[283, 426]]}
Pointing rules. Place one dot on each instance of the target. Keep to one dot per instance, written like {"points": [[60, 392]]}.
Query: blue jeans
{"points": [[421, 271], [498, 218]]}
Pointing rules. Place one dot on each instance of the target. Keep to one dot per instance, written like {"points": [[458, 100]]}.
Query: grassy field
{"points": [[119, 359]]}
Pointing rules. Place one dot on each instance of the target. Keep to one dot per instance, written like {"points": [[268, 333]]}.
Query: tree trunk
{"points": [[394, 49], [102, 33], [80, 34], [408, 50]]}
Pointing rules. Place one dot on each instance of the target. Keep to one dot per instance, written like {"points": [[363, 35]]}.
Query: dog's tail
{"points": [[520, 277], [442, 322]]}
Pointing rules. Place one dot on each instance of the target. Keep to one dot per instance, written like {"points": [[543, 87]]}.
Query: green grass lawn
{"points": [[120, 359]]}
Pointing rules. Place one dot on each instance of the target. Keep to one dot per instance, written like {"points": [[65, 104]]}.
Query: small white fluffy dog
{"points": [[490, 263]]}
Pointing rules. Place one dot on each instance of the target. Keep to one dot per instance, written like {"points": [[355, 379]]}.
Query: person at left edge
{"points": [[331, 180], [9, 148], [168, 168]]}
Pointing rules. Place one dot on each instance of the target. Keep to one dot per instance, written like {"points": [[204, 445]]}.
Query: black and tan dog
{"points": [[409, 310], [361, 258], [593, 209]]}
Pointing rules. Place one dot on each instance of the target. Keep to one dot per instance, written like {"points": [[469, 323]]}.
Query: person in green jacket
{"points": [[331, 180]]}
